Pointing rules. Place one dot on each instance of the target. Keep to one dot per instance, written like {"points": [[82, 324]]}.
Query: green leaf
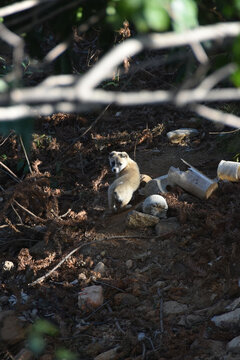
{"points": [[36, 343], [64, 354], [45, 327], [3, 86], [236, 78], [184, 14], [156, 15]]}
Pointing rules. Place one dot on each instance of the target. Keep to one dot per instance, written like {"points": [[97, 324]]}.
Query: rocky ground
{"points": [[161, 296]]}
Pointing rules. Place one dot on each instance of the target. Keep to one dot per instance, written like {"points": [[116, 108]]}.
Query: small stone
{"points": [[8, 265], [90, 297], [176, 136], [234, 345], [173, 307], [136, 219], [82, 276], [155, 186], [100, 268], [159, 284], [108, 355], [103, 253], [235, 304], [155, 205], [227, 320], [125, 299], [166, 226], [129, 264]]}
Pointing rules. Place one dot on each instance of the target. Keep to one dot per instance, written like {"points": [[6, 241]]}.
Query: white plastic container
{"points": [[192, 181], [228, 170]]}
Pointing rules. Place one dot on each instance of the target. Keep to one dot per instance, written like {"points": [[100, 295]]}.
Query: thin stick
{"points": [[116, 320], [44, 277], [10, 171], [25, 153], [28, 211]]}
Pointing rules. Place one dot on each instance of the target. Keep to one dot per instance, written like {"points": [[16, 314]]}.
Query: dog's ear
{"points": [[112, 153], [124, 155]]}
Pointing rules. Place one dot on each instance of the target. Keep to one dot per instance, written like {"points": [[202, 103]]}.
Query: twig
{"points": [[217, 115], [199, 53], [44, 277], [14, 176], [19, 217], [99, 308], [29, 212], [116, 321], [110, 285], [25, 153], [18, 7], [18, 51], [3, 142]]}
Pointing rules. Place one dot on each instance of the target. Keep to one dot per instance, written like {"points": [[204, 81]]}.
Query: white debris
{"points": [[8, 265], [155, 205], [176, 136]]}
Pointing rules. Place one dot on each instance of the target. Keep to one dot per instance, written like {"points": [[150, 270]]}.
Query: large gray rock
{"points": [[234, 345], [227, 320], [155, 186], [173, 307], [136, 219]]}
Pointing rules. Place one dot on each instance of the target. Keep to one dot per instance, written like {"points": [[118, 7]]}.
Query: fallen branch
{"points": [[44, 277]]}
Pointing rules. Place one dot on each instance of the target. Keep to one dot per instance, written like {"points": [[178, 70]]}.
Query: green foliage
{"points": [[154, 15], [64, 354], [184, 14], [23, 127], [37, 340]]}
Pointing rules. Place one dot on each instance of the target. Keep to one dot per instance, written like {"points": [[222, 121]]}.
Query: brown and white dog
{"points": [[127, 181]]}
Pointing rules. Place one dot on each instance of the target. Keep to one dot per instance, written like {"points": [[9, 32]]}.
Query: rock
{"points": [[24, 354], [155, 205], [173, 307], [227, 320], [129, 264], [108, 355], [159, 284], [11, 330], [136, 219], [155, 186], [234, 345], [8, 265], [90, 297], [100, 268], [166, 226], [125, 299], [210, 347], [235, 304], [176, 136], [190, 320]]}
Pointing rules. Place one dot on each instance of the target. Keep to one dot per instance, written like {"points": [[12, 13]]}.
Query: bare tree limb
{"points": [[74, 93]]}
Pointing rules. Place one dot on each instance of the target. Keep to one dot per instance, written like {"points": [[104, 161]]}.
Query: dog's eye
{"points": [[119, 164]]}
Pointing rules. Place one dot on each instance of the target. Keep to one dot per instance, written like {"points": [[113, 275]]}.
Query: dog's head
{"points": [[118, 161]]}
